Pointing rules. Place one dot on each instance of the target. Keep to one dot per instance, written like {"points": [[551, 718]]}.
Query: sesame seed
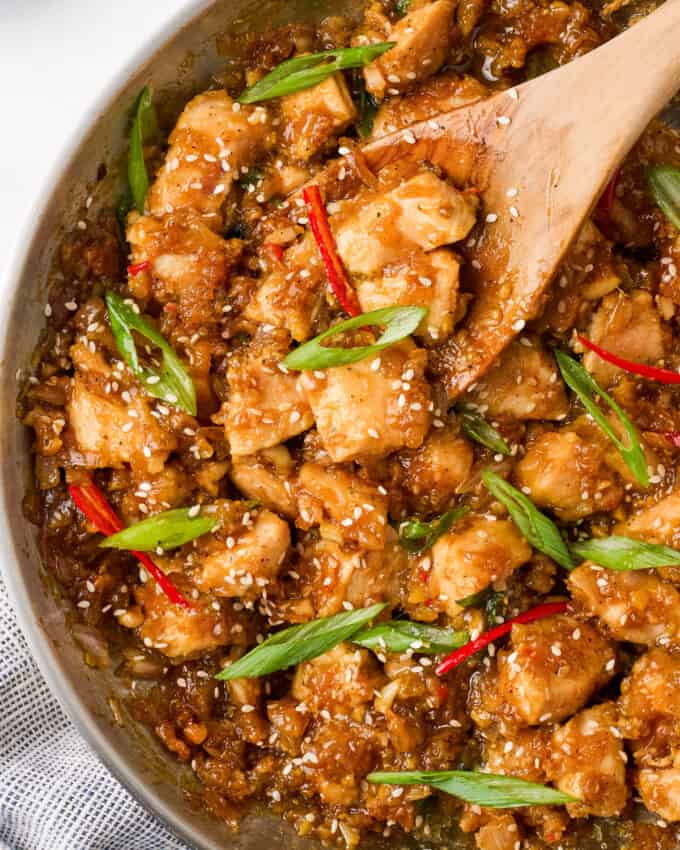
{"points": [[491, 218]]}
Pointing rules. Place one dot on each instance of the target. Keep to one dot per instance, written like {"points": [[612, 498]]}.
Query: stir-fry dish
{"points": [[333, 585]]}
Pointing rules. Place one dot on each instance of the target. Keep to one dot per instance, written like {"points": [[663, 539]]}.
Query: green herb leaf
{"points": [[474, 600], [586, 387], [476, 427], [401, 635], [540, 531], [401, 7], [251, 178], [418, 536], [300, 643], [399, 322], [144, 127], [664, 184], [483, 789], [624, 553], [303, 72], [368, 109], [171, 382]]}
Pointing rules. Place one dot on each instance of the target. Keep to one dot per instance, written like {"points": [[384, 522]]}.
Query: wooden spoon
{"points": [[542, 153]]}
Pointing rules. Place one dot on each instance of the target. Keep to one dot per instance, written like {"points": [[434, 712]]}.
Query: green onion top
{"points": [[166, 530], [540, 531], [482, 789], [300, 643], [144, 127], [664, 184], [625, 553], [402, 635], [587, 388], [171, 382], [303, 72], [399, 322]]}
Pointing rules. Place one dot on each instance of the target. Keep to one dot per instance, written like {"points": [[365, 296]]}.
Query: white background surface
{"points": [[55, 57]]}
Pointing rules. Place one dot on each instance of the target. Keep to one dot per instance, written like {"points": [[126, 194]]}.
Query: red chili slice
{"points": [[136, 268], [674, 437], [459, 655], [663, 376], [343, 291], [275, 250], [90, 501]]}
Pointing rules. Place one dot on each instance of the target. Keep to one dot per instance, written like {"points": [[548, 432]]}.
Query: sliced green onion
{"points": [[402, 635], [625, 553], [166, 530], [171, 382], [476, 427], [586, 388], [399, 322], [664, 184], [418, 536], [401, 7], [483, 789], [540, 531], [144, 127], [300, 643], [303, 72]]}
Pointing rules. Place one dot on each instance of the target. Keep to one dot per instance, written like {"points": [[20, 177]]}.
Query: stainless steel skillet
{"points": [[177, 63]]}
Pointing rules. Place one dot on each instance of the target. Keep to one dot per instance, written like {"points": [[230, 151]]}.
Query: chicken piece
{"points": [[170, 488], [524, 384], [189, 265], [341, 578], [266, 477], [214, 138], [660, 792], [650, 696], [314, 116], [245, 565], [437, 471], [344, 506], [568, 474], [656, 522], [372, 407], [341, 681], [336, 757], [109, 432], [498, 832], [433, 97], [650, 718], [427, 280], [626, 325], [292, 294], [423, 210], [265, 405], [288, 724], [551, 669], [635, 606], [422, 38], [588, 762], [525, 755], [475, 553], [587, 273], [180, 632]]}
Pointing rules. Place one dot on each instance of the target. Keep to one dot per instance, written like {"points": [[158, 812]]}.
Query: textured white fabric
{"points": [[54, 793]]}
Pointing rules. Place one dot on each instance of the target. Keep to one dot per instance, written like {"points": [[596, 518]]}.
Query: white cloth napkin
{"points": [[54, 792]]}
